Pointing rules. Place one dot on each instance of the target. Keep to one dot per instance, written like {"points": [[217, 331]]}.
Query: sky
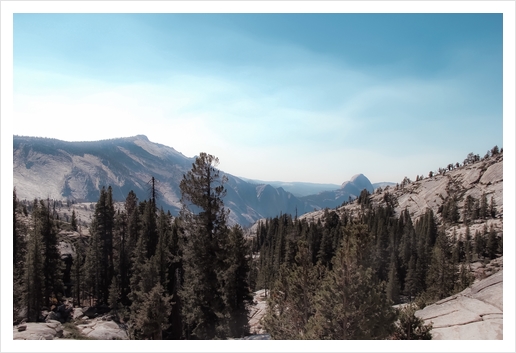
{"points": [[278, 97]]}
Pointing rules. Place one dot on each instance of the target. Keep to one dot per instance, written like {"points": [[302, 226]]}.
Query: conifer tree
{"points": [[411, 280], [492, 243], [73, 221], [440, 274], [77, 271], [204, 218], [479, 244], [393, 285], [293, 299], [52, 268], [99, 258], [15, 228], [34, 280], [235, 287], [152, 317], [483, 206], [492, 208]]}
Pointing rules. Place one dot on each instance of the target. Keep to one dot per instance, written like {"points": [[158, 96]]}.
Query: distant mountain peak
{"points": [[357, 176]]}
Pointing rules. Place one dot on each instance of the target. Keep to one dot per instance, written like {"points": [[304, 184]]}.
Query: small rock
{"points": [[22, 328]]}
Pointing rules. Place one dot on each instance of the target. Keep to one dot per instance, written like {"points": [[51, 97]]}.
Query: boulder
{"points": [[38, 331], [90, 312], [106, 330], [77, 313]]}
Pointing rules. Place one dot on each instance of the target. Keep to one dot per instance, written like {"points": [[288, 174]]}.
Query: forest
{"points": [[193, 276]]}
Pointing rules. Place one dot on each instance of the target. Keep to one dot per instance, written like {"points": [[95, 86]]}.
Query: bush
{"points": [[411, 327]]}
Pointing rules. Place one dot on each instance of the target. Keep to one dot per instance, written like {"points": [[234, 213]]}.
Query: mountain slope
{"points": [[62, 170], [482, 177]]}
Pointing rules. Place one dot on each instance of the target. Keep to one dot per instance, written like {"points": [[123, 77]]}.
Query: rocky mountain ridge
{"points": [[61, 170], [484, 177]]}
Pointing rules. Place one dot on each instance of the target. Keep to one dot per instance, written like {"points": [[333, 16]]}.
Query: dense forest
{"points": [[192, 276]]}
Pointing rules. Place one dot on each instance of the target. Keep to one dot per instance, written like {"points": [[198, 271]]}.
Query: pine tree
{"points": [[492, 243], [77, 271], [393, 285], [73, 221], [293, 299], [411, 280], [99, 258], [34, 279], [479, 244], [52, 268], [483, 206], [206, 231], [492, 208], [440, 274], [152, 317], [235, 287], [15, 228]]}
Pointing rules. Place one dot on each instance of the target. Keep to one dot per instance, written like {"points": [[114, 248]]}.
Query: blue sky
{"points": [[291, 97]]}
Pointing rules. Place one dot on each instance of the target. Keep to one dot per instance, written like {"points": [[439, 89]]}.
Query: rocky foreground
{"points": [[476, 313], [81, 327]]}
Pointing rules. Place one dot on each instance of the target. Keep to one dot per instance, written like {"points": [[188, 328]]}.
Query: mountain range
{"points": [[51, 168]]}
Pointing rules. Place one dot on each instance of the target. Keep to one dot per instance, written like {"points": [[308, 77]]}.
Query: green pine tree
{"points": [[206, 232], [153, 314], [34, 279]]}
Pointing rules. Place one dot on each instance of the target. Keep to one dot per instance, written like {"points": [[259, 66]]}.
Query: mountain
{"points": [[44, 167], [349, 190], [474, 180], [298, 189]]}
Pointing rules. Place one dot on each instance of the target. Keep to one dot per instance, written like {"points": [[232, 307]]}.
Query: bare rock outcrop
{"points": [[473, 314], [103, 328], [257, 311], [38, 331]]}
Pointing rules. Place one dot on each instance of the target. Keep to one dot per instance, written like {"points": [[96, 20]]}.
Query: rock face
{"points": [[38, 331], [256, 312], [102, 329], [483, 177], [474, 314]]}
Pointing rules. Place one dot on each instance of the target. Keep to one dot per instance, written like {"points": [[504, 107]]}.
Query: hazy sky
{"points": [[290, 97]]}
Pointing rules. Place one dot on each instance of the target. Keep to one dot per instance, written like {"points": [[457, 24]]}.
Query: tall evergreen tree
{"points": [[52, 268], [206, 232], [99, 258], [393, 285], [492, 243], [235, 287], [34, 280], [440, 274], [152, 317], [73, 221]]}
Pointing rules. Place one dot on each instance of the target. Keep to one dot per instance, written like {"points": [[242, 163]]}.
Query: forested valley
{"points": [[193, 276]]}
